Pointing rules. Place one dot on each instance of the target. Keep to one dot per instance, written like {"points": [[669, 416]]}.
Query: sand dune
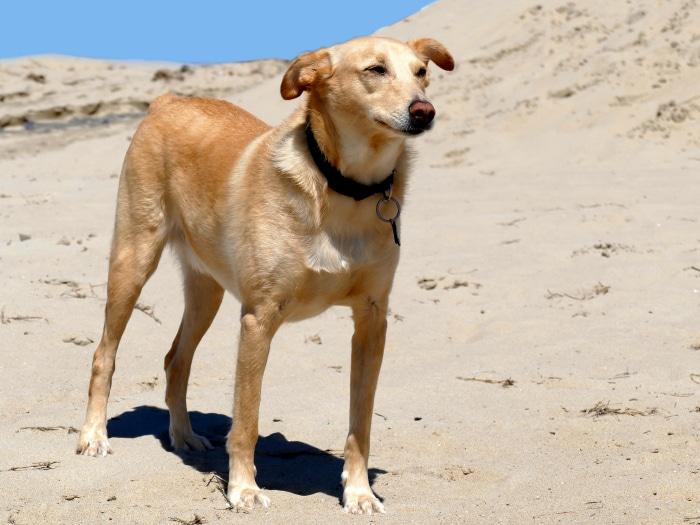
{"points": [[602, 70], [543, 356], [45, 89]]}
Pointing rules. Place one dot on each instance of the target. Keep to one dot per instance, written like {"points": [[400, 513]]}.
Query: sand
{"points": [[543, 354]]}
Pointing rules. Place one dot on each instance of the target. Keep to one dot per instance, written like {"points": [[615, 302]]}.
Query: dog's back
{"points": [[193, 132], [178, 166]]}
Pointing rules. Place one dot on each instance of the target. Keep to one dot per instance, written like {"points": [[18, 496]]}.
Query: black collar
{"points": [[339, 182]]}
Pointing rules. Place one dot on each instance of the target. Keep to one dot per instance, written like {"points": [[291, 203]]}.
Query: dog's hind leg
{"points": [[139, 238], [367, 354], [203, 297]]}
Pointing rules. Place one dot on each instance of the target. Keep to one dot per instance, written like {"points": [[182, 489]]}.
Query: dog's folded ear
{"points": [[429, 49], [304, 72]]}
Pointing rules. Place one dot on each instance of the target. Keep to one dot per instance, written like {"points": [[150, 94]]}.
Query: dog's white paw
{"points": [[189, 441], [361, 503], [248, 498], [359, 499], [93, 444]]}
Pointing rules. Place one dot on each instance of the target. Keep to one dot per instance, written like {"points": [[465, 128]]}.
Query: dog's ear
{"points": [[429, 49], [304, 72]]}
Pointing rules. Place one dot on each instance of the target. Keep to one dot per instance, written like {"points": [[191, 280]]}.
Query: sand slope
{"points": [[543, 356]]}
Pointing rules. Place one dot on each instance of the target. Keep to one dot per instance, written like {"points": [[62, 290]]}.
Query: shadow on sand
{"points": [[290, 466]]}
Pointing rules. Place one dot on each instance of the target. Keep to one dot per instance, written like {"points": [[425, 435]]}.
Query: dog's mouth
{"points": [[410, 129], [413, 131]]}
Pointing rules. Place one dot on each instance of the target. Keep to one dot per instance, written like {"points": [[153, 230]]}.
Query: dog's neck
{"points": [[339, 182], [367, 159]]}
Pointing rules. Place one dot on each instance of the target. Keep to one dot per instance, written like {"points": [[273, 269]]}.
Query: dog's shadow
{"points": [[290, 466]]}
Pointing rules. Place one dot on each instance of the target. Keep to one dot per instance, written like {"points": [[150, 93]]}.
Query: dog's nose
{"points": [[422, 113]]}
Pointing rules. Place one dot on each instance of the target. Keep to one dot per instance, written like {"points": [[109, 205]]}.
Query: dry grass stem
{"points": [[602, 408], [583, 295], [220, 484], [7, 319], [148, 310], [42, 465], [505, 383], [69, 430], [197, 520]]}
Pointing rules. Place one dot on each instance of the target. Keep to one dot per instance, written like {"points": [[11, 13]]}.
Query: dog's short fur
{"points": [[247, 210]]}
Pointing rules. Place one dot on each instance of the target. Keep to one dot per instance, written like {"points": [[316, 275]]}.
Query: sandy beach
{"points": [[543, 354]]}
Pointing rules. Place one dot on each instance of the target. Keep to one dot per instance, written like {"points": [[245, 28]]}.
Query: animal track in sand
{"points": [[606, 249], [79, 340], [452, 158]]}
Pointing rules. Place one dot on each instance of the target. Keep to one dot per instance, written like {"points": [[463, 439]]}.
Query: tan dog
{"points": [[290, 220]]}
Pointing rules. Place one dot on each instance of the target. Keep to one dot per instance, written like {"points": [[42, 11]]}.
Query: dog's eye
{"points": [[421, 72], [379, 70]]}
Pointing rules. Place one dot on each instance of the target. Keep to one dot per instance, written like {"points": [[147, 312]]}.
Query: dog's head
{"points": [[379, 82]]}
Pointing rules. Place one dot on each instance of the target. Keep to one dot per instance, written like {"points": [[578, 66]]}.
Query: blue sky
{"points": [[190, 31]]}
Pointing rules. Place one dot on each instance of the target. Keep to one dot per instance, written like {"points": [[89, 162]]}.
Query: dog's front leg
{"points": [[253, 350], [367, 352]]}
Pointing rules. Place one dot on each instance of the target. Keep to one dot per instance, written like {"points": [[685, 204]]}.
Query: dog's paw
{"points": [[361, 503], [248, 498], [95, 446], [359, 499], [189, 441]]}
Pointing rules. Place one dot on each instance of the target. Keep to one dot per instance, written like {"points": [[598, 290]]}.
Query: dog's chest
{"points": [[334, 256], [336, 273]]}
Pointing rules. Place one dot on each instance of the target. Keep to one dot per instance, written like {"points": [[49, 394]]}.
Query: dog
{"points": [[290, 219]]}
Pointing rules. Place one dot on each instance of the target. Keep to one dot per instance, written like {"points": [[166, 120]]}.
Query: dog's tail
{"points": [[161, 101]]}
